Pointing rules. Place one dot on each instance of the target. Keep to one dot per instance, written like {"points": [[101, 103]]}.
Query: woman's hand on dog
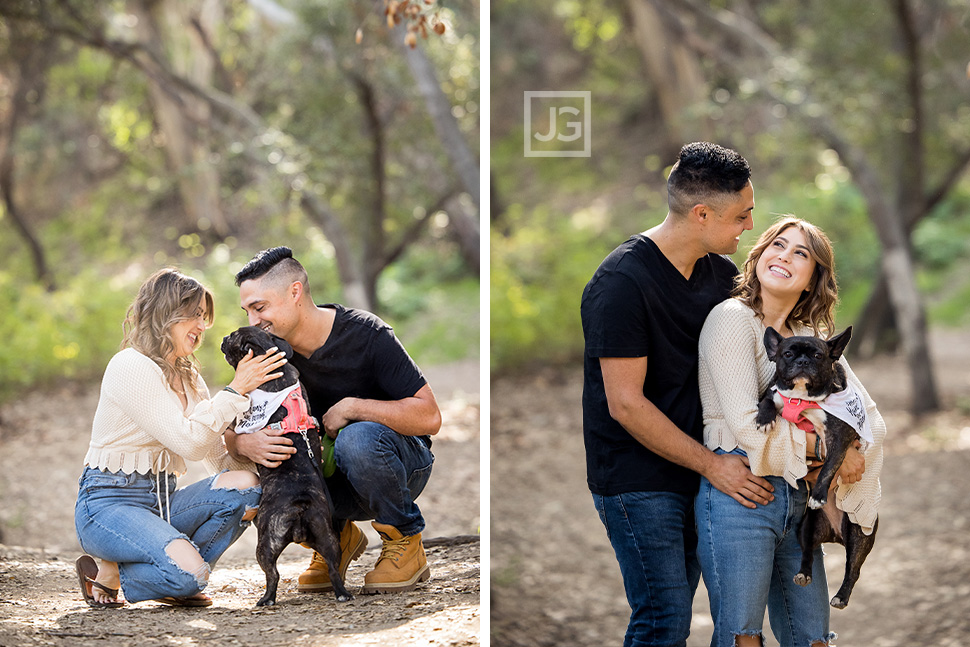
{"points": [[251, 372], [851, 471], [853, 466]]}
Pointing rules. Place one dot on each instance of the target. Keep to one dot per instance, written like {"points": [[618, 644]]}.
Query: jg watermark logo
{"points": [[557, 123]]}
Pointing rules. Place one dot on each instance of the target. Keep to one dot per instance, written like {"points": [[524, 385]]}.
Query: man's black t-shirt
{"points": [[639, 305], [361, 358]]}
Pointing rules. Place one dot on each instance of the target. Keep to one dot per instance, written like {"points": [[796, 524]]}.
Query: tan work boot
{"points": [[402, 563], [316, 578]]}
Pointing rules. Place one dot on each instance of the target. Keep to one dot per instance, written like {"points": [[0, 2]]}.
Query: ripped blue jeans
{"points": [[749, 558], [117, 519]]}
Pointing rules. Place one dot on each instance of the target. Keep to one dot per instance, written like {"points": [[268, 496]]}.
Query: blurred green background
{"points": [[817, 96], [140, 134]]}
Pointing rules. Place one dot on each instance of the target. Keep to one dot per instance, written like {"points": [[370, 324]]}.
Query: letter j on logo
{"points": [[557, 123]]}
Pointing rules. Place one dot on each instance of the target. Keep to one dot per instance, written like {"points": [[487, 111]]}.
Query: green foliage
{"points": [[96, 187], [65, 334], [433, 306], [857, 85], [944, 236], [539, 270], [537, 278], [73, 332]]}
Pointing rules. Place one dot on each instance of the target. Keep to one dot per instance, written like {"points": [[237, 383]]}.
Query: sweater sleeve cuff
{"points": [[226, 406]]}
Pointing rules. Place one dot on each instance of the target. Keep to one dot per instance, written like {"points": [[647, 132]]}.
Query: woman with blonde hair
{"points": [[749, 557], [157, 542]]}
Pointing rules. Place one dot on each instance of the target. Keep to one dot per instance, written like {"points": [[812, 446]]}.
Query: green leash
{"points": [[329, 462]]}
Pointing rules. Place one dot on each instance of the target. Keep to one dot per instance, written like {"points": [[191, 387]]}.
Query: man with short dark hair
{"points": [[642, 315], [371, 398]]}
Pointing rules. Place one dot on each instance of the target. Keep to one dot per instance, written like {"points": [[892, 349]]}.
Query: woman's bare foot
{"points": [[108, 576]]}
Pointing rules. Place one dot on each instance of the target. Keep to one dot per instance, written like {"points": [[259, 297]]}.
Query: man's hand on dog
{"points": [[265, 447]]}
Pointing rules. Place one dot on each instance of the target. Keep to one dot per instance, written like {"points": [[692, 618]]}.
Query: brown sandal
{"points": [[202, 600], [87, 570]]}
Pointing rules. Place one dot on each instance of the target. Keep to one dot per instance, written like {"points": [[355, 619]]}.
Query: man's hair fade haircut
{"points": [[275, 263], [705, 173]]}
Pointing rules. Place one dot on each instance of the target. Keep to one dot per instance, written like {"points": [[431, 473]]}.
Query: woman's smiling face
{"points": [[187, 334], [786, 266]]}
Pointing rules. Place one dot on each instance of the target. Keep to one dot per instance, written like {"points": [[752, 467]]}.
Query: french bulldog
{"points": [[295, 504], [808, 369]]}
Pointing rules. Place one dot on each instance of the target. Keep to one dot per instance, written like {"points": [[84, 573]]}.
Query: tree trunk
{"points": [[874, 330], [31, 68], [162, 29], [439, 108], [673, 71], [356, 294], [374, 256], [898, 268], [466, 229]]}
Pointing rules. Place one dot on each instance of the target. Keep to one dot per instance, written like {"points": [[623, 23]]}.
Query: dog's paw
{"points": [[803, 580], [345, 598], [266, 602], [766, 424], [815, 504], [838, 603]]}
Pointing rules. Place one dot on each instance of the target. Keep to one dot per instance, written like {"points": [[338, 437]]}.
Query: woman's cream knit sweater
{"points": [[734, 370], [140, 425]]}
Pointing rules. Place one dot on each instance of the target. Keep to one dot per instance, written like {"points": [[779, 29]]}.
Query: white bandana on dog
{"points": [[263, 405], [847, 405]]}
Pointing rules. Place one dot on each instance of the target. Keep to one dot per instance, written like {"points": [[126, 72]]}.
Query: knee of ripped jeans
{"points": [[187, 579], [828, 641], [240, 480], [201, 575], [186, 583], [754, 633]]}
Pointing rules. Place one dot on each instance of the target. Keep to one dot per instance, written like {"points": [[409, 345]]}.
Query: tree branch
{"points": [[936, 196], [414, 230]]}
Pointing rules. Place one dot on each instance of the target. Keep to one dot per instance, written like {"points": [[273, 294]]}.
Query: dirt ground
{"points": [[43, 439], [554, 578]]}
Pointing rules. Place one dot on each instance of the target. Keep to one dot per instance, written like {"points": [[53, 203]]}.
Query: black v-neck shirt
{"points": [[361, 358], [639, 305]]}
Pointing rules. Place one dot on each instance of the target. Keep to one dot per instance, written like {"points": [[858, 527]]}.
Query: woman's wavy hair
{"points": [[816, 305], [164, 299]]}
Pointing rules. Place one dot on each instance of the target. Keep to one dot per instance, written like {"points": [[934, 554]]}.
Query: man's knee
{"points": [[358, 443]]}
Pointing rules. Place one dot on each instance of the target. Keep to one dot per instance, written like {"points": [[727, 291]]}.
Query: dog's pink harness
{"points": [[298, 418], [792, 411]]}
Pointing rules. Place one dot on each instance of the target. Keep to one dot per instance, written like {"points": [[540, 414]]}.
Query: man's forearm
{"points": [[230, 437], [408, 417], [654, 430]]}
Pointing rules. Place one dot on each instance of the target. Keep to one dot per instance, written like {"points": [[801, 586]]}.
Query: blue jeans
{"points": [[655, 543], [379, 475], [749, 558], [117, 519]]}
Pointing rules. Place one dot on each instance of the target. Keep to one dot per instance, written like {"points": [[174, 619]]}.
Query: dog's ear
{"points": [[228, 350], [772, 339], [281, 344], [838, 343]]}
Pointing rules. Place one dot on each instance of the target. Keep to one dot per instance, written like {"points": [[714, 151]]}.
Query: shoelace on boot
{"points": [[394, 548]]}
